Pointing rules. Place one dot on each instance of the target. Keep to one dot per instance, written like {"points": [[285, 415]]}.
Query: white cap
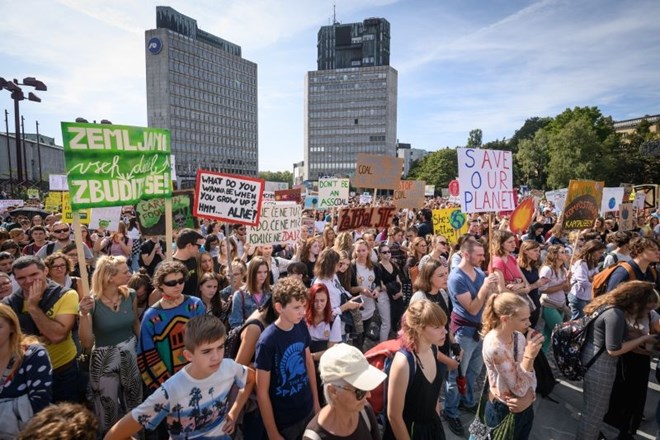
{"points": [[343, 361]]}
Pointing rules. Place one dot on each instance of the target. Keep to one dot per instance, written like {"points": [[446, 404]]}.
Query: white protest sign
{"points": [[279, 222], [57, 182], [612, 198], [640, 196], [107, 218], [485, 180], [333, 193], [557, 197], [229, 198], [275, 186], [429, 190], [269, 195], [6, 203]]}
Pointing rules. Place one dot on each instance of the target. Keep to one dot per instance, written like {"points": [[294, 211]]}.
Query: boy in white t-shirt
{"points": [[196, 400]]}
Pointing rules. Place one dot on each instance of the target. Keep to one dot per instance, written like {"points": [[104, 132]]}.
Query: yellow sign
{"points": [[450, 223], [33, 193], [67, 215]]}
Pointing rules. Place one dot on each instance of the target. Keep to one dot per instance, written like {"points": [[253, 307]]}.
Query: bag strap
{"points": [[314, 436], [595, 315]]}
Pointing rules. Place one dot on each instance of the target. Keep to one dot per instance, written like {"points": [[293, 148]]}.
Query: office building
{"points": [[351, 101], [202, 90], [409, 155]]}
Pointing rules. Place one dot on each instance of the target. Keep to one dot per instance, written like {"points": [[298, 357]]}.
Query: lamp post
{"points": [[17, 95]]}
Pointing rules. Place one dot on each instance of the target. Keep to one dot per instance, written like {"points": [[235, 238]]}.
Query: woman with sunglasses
{"points": [[439, 251], [109, 324], [161, 329], [393, 279]]}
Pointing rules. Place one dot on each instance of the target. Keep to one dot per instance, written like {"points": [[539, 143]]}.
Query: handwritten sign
{"points": [[429, 190], [67, 214], [582, 204], [116, 165], [151, 213], [279, 222], [652, 195], [351, 219], [612, 198], [107, 218], [626, 217], [450, 223], [557, 197], [485, 179], [234, 199], [275, 186], [410, 194], [11, 203], [377, 171], [333, 193], [311, 202], [57, 182], [287, 195]]}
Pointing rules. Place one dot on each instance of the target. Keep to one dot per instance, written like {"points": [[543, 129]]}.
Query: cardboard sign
{"points": [[333, 193], [377, 171], [67, 214], [351, 219], [410, 194], [229, 198], [429, 190], [612, 198], [626, 217], [116, 165], [57, 182], [275, 186], [652, 195], [151, 213], [582, 204], [288, 195], [450, 223], [627, 191], [107, 218], [279, 222], [485, 179], [557, 197]]}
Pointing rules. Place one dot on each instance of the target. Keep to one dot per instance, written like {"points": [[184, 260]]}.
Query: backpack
{"points": [[381, 357], [567, 342], [233, 341], [602, 279]]}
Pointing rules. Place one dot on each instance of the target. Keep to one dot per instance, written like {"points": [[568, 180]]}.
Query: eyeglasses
{"points": [[174, 283], [58, 266], [60, 231], [444, 243], [359, 394]]}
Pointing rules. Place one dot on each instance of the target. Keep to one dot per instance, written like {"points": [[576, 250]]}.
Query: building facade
{"points": [[351, 101], [38, 152], [409, 156], [628, 126], [202, 90]]}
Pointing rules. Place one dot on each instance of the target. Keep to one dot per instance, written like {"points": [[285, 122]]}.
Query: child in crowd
{"points": [[196, 400], [286, 381]]}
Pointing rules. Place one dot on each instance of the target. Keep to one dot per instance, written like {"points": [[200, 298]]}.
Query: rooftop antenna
{"points": [[334, 13]]}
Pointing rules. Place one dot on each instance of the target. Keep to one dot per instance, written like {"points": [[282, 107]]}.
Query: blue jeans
{"points": [[67, 384], [495, 412], [577, 306], [470, 366]]}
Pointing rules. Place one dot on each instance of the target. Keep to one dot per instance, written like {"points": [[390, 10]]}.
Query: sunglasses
{"points": [[359, 394], [385, 252], [60, 231], [444, 243], [174, 283]]}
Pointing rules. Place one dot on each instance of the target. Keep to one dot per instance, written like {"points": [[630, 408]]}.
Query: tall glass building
{"points": [[351, 100], [202, 90]]}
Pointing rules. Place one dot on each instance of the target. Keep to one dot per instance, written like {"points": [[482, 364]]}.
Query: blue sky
{"points": [[462, 64]]}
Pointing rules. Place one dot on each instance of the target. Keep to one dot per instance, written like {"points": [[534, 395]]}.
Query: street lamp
{"points": [[18, 95]]}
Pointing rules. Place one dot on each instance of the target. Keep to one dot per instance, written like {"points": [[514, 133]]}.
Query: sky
{"points": [[462, 64]]}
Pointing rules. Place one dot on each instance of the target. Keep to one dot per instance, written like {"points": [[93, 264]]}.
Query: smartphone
{"points": [[357, 299]]}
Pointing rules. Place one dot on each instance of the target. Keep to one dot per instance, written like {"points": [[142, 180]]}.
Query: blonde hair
{"points": [[420, 314], [17, 340], [504, 304], [107, 267]]}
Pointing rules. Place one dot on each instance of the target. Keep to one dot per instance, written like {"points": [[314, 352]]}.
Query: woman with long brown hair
{"points": [[366, 282], [553, 293], [529, 261], [584, 268], [252, 294]]}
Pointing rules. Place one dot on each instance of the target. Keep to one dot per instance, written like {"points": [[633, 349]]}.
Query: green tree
{"points": [[532, 160], [633, 163], [475, 138], [277, 176], [437, 168]]}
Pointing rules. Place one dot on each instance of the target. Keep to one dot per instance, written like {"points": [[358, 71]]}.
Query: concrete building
{"points": [[628, 126], [298, 172], [42, 150], [352, 107], [409, 155], [202, 90]]}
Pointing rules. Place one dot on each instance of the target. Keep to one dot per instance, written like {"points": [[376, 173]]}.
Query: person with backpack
{"points": [[621, 251], [415, 368], [62, 234], [645, 255], [252, 294], [605, 342], [117, 244], [582, 272]]}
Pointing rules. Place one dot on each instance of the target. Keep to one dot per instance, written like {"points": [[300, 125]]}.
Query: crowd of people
{"points": [[212, 337]]}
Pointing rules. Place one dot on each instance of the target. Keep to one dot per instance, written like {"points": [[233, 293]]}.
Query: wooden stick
{"points": [[168, 229], [82, 261]]}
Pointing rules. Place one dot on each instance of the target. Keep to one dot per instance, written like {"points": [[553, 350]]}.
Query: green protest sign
{"points": [[151, 213], [116, 165]]}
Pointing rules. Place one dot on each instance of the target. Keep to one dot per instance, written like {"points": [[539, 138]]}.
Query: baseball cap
{"points": [[343, 361]]}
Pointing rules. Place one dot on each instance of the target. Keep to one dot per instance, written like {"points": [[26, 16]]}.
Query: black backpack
{"points": [[233, 341]]}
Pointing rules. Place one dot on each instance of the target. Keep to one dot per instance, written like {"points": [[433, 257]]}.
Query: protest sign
{"points": [[115, 165], [67, 214], [269, 195], [429, 190], [151, 213], [275, 186], [107, 218], [287, 195], [451, 223], [377, 171], [522, 216], [627, 191], [279, 222], [652, 195], [557, 197], [172, 167], [57, 182], [626, 217], [53, 201], [11, 203], [333, 193], [409, 195], [33, 193], [225, 197], [640, 199], [311, 202], [582, 204], [612, 198], [355, 218], [485, 179]]}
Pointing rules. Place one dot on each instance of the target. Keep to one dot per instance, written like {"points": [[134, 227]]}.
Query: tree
{"points": [[437, 168], [474, 138], [532, 160], [277, 176], [633, 163]]}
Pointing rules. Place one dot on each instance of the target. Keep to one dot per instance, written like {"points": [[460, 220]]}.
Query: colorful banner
{"points": [[229, 198], [582, 204], [288, 195], [612, 198], [522, 216], [626, 217], [116, 165], [377, 171], [106, 218], [485, 179], [279, 222], [333, 193], [410, 194], [151, 214], [450, 223], [351, 219], [67, 214]]}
